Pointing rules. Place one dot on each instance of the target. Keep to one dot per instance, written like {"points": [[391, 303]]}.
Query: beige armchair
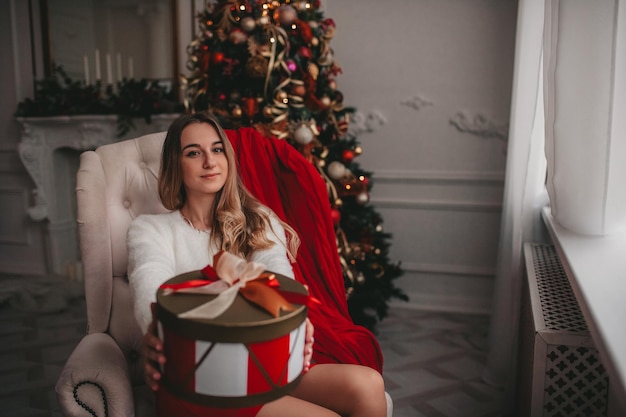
{"points": [[116, 183], [104, 375]]}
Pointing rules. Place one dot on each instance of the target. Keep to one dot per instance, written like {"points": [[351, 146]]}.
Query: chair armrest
{"points": [[95, 378], [389, 404]]}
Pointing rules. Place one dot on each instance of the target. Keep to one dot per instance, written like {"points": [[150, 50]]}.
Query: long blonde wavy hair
{"points": [[240, 221]]}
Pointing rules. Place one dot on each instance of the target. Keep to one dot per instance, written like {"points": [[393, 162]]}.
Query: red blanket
{"points": [[285, 181]]}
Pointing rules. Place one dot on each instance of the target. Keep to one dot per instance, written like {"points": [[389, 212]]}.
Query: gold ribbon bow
{"points": [[229, 276]]}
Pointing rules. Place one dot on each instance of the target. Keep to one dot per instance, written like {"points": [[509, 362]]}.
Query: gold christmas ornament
{"points": [[299, 90], [236, 112], [281, 95], [313, 70], [257, 66], [268, 111]]}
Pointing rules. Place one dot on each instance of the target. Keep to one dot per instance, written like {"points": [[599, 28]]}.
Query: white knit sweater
{"points": [[161, 246]]}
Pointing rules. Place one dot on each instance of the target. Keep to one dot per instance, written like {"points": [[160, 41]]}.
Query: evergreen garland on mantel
{"points": [[59, 95]]}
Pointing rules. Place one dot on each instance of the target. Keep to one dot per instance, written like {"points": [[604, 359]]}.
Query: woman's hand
{"points": [[152, 351], [308, 345]]}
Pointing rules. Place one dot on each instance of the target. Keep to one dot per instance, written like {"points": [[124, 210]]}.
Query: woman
{"points": [[213, 211]]}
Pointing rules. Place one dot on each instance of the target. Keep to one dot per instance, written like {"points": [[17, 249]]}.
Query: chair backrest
{"points": [[118, 182], [114, 184]]}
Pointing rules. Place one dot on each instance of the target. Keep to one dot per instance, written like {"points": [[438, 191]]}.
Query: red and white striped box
{"points": [[242, 358]]}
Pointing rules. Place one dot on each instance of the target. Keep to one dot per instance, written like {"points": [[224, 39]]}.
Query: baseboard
{"points": [[445, 303]]}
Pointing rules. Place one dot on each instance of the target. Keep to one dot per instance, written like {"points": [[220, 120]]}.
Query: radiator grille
{"points": [[558, 304], [570, 377]]}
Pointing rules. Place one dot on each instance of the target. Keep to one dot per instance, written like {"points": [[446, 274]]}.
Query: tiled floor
{"points": [[433, 361], [40, 323]]}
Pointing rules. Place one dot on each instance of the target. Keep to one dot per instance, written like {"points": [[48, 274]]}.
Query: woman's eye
{"points": [[193, 153], [218, 150]]}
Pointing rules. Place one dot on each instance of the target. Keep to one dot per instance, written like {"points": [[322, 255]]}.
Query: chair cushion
{"points": [[131, 169]]}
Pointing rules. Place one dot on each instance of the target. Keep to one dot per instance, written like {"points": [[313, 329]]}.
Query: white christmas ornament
{"points": [[286, 14], [303, 135], [248, 24], [363, 198], [336, 170]]}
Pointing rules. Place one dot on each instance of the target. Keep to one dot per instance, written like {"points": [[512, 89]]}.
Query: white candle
{"points": [[119, 66], [131, 68], [109, 69], [86, 65], [97, 65]]}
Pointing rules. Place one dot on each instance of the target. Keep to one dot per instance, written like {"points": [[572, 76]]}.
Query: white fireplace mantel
{"points": [[54, 173]]}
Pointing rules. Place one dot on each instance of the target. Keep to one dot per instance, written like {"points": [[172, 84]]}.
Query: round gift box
{"points": [[242, 358]]}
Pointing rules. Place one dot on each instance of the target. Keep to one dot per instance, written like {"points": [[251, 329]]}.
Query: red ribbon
{"points": [[293, 297], [265, 279]]}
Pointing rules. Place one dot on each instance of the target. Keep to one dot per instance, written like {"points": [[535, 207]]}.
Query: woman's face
{"points": [[203, 161]]}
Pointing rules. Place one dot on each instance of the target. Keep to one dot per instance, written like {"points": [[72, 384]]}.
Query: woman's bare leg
{"points": [[289, 406], [349, 390]]}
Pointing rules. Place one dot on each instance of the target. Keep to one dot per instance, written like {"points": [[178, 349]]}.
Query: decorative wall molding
{"points": [[440, 205], [439, 177], [417, 102], [446, 303], [442, 178], [366, 122], [449, 269], [480, 125], [464, 298]]}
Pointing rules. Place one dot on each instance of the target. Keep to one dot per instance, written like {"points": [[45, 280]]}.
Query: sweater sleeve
{"points": [[275, 258], [150, 263]]}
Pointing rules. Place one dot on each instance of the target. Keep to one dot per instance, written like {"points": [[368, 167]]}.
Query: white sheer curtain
{"points": [[585, 78], [584, 75], [524, 192]]}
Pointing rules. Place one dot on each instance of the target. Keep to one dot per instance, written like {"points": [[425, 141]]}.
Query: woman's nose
{"points": [[209, 161]]}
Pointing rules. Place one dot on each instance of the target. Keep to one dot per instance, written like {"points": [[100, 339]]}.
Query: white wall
{"points": [[21, 241], [438, 189]]}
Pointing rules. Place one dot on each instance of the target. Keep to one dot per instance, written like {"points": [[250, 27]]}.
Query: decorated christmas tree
{"points": [[269, 64]]}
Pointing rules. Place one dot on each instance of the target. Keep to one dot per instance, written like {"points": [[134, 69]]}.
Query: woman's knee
{"points": [[367, 384]]}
